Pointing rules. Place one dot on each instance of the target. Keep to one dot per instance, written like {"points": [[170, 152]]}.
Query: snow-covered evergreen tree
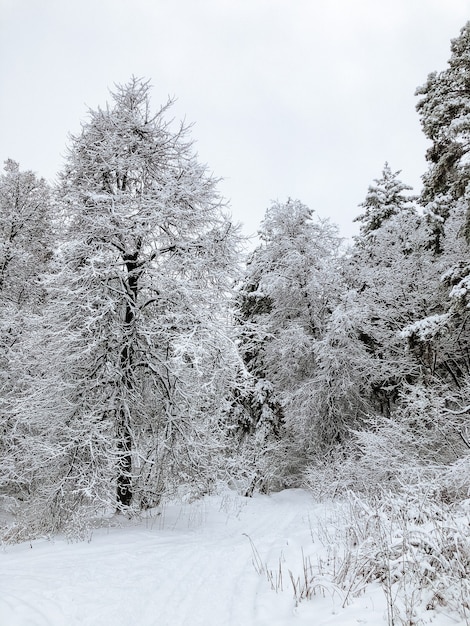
{"points": [[444, 109], [384, 199], [394, 277]]}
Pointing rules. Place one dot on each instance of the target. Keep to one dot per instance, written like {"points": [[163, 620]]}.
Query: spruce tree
{"points": [[384, 199]]}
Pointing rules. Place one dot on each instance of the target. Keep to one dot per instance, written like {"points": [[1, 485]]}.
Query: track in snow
{"points": [[190, 566]]}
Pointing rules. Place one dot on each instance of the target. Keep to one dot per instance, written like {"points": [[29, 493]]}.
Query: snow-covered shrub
{"points": [[40, 518], [419, 446], [454, 480], [417, 549], [406, 483]]}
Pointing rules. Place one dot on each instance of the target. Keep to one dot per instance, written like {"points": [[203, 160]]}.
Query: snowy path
{"points": [[190, 566]]}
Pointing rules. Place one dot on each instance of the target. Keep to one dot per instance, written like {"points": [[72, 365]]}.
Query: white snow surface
{"points": [[188, 565]]}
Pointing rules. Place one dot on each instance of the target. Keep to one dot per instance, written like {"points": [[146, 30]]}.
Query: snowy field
{"points": [[222, 561]]}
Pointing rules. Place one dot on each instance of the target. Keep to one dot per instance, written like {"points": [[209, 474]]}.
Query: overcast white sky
{"points": [[300, 98]]}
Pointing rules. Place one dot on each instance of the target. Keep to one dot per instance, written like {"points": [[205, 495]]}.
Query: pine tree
{"points": [[444, 109], [393, 276]]}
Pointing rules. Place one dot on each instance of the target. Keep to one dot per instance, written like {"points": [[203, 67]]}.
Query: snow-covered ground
{"points": [[191, 565]]}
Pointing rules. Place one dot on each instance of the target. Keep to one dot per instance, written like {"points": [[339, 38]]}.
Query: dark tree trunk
{"points": [[124, 479], [124, 484]]}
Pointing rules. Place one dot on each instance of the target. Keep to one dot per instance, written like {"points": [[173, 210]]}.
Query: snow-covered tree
{"points": [[444, 109], [25, 235], [394, 277], [445, 117], [26, 243], [291, 285], [384, 199], [132, 357], [440, 339]]}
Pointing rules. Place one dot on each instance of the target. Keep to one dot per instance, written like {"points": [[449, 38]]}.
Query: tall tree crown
{"points": [[444, 110]]}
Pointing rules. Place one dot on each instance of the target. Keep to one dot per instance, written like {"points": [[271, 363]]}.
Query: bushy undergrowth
{"points": [[406, 519], [410, 533], [417, 549], [422, 444]]}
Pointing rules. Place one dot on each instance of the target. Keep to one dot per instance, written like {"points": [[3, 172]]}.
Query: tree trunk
{"points": [[124, 485], [124, 432]]}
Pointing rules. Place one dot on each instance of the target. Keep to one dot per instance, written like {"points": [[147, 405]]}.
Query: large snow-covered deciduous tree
{"points": [[125, 402]]}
